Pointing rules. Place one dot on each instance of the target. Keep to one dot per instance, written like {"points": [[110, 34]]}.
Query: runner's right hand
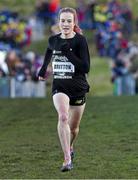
{"points": [[41, 78]]}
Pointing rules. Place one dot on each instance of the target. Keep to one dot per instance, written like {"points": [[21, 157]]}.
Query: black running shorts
{"points": [[73, 101]]}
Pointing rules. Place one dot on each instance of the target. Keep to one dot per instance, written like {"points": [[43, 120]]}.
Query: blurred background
{"points": [[111, 29]]}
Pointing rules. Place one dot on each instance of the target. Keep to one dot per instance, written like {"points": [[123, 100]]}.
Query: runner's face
{"points": [[66, 23]]}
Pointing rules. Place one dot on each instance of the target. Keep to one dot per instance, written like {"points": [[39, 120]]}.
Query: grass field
{"points": [[106, 148]]}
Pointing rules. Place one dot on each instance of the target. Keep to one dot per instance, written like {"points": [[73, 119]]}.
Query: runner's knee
{"points": [[63, 117]]}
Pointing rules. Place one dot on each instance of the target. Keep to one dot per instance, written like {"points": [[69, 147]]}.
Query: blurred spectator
{"points": [[91, 8], [14, 31], [127, 16], [113, 31], [124, 82], [46, 11], [3, 65]]}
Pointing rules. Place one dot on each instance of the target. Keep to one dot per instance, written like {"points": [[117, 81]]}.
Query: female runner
{"points": [[69, 54]]}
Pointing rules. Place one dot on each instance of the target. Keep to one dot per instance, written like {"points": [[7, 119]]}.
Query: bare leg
{"points": [[61, 103], [76, 113]]}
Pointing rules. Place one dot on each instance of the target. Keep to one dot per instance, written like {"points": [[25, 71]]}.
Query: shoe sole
{"points": [[67, 168]]}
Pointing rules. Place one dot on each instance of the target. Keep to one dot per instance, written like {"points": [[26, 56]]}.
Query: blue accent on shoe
{"points": [[72, 154]]}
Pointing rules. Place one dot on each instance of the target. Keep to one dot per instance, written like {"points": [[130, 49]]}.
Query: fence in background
{"points": [[10, 87]]}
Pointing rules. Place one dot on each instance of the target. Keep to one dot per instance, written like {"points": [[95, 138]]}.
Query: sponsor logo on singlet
{"points": [[56, 52], [79, 101]]}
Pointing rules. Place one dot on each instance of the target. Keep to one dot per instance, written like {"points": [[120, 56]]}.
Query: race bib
{"points": [[63, 70]]}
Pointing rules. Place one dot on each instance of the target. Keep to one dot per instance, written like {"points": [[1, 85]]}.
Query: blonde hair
{"points": [[73, 11]]}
